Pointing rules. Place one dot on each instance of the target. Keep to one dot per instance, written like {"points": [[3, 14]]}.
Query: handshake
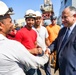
{"points": [[47, 51], [40, 51]]}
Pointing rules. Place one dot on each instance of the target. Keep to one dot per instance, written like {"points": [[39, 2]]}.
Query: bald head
{"points": [[69, 16], [70, 9]]}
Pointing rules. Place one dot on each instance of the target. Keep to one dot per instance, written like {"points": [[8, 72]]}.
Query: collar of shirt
{"points": [[2, 37], [72, 27]]}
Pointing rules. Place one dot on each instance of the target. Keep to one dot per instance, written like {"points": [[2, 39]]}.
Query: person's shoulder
{"points": [[57, 25], [48, 26], [22, 30], [13, 41], [43, 27], [34, 31], [15, 45], [62, 30]]}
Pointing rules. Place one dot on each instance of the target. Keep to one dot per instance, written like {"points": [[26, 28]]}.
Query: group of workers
{"points": [[31, 47]]}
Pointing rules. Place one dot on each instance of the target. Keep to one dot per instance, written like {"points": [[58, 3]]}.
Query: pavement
{"points": [[52, 72]]}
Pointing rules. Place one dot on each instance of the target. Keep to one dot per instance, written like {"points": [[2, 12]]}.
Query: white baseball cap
{"points": [[4, 9], [38, 14], [30, 13]]}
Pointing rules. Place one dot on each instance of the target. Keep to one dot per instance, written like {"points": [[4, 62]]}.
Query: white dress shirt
{"points": [[14, 56], [71, 28]]}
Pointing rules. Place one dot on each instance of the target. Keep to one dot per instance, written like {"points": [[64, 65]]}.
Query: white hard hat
{"points": [[4, 9], [30, 13], [38, 14]]}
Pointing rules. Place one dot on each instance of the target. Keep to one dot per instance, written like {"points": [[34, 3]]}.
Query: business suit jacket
{"points": [[66, 55]]}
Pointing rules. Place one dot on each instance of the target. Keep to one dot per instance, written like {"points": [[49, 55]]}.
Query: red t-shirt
{"points": [[27, 37]]}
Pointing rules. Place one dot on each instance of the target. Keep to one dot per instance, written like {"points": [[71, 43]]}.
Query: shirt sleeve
{"points": [[46, 32], [26, 58]]}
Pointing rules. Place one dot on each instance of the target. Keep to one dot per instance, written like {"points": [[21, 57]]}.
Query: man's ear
{"points": [[74, 15]]}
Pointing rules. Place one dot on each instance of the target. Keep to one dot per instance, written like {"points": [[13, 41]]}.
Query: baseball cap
{"points": [[53, 17], [38, 14], [30, 13], [4, 9]]}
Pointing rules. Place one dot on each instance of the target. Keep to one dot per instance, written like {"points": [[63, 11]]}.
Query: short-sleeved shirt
{"points": [[53, 31], [42, 34], [27, 37]]}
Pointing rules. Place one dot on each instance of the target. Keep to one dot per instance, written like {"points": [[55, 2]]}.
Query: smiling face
{"points": [[68, 17], [30, 22], [6, 25], [38, 21]]}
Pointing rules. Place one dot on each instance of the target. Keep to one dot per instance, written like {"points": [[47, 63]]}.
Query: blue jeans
{"points": [[33, 72], [47, 68]]}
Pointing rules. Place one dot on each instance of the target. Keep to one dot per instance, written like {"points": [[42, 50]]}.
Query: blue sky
{"points": [[20, 6]]}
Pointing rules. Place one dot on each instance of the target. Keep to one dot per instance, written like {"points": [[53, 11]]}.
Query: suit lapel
{"points": [[71, 35], [69, 38], [61, 37], [60, 42]]}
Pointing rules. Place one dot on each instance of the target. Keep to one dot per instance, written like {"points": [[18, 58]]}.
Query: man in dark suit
{"points": [[66, 48]]}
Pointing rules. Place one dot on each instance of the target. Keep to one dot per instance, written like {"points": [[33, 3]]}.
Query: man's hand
{"points": [[36, 51], [47, 51], [39, 50]]}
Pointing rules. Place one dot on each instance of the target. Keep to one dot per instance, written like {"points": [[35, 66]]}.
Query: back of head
{"points": [[30, 14], [4, 9], [38, 14]]}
